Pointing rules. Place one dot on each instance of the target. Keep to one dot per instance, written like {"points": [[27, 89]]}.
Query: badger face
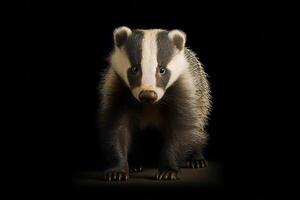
{"points": [[148, 61]]}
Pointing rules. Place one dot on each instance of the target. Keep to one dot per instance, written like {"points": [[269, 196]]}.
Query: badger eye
{"points": [[134, 69], [162, 70]]}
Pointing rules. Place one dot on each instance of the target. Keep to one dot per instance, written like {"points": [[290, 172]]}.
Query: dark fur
{"points": [[165, 49], [119, 128], [162, 80], [133, 47], [178, 42]]}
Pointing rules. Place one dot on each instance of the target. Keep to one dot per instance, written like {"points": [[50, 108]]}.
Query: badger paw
{"points": [[115, 175], [134, 169], [196, 164], [167, 175]]}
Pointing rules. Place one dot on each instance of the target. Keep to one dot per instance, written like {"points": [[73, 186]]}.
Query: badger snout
{"points": [[148, 96]]}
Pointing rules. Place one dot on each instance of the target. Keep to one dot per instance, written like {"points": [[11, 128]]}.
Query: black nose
{"points": [[147, 96]]}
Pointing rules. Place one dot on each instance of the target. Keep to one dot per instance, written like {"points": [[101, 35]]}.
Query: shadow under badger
{"points": [[154, 81]]}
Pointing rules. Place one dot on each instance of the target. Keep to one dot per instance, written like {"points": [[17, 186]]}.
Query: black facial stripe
{"points": [[165, 51], [162, 80], [133, 48], [134, 79], [165, 48]]}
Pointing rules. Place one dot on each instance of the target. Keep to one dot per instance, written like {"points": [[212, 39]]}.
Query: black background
{"points": [[63, 51]]}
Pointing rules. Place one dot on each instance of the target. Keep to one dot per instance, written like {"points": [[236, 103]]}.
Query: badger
{"points": [[153, 80]]}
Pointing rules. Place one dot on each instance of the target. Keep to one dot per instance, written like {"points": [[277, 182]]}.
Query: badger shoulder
{"points": [[112, 90], [199, 77], [191, 92]]}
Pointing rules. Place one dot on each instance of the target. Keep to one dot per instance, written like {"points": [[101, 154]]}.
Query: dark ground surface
{"points": [[205, 181]]}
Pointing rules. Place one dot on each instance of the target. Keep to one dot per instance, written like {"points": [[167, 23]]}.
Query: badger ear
{"points": [[120, 35], [178, 38]]}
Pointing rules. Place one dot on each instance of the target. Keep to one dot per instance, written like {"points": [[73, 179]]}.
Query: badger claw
{"points": [[167, 175], [136, 169], [196, 164], [112, 175]]}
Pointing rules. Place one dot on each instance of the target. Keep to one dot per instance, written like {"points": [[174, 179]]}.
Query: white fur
{"points": [[120, 63], [149, 58], [177, 65], [118, 59]]}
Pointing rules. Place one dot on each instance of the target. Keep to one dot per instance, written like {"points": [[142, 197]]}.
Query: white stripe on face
{"points": [[177, 65], [149, 59], [120, 63]]}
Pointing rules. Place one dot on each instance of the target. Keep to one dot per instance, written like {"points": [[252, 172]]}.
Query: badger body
{"points": [[153, 81]]}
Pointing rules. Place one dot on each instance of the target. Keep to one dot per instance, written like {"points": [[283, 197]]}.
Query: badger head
{"points": [[148, 61]]}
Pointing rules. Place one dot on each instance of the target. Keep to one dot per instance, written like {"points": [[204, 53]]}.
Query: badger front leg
{"points": [[176, 143], [169, 162], [116, 149], [196, 159]]}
